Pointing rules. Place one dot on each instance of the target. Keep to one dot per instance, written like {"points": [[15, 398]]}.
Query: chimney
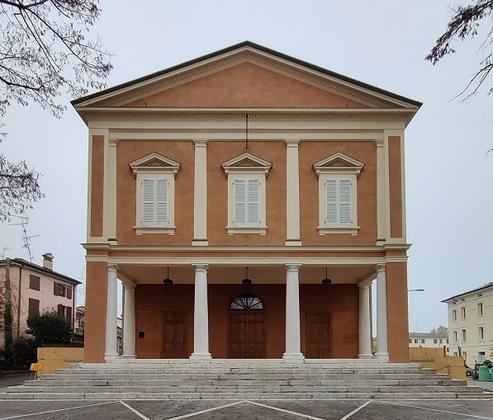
{"points": [[48, 261]]}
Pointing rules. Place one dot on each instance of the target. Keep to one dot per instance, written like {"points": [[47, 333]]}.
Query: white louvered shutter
{"points": [[344, 201], [239, 202], [148, 214], [253, 201], [162, 202], [331, 201], [338, 196]]}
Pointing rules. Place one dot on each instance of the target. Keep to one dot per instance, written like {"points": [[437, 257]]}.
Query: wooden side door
{"points": [[317, 335], [175, 334]]}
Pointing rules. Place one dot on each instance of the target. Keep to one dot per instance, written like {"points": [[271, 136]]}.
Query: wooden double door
{"points": [[246, 338]]}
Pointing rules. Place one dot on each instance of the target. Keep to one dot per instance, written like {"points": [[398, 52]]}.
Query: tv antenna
{"points": [[24, 221]]}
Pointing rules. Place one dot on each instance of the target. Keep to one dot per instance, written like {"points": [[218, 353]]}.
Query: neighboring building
{"points": [[431, 339], [470, 323], [34, 289], [247, 200]]}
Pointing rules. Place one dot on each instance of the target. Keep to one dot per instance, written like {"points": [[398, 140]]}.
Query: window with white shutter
{"points": [[338, 205], [246, 194], [155, 175], [338, 195], [246, 202], [155, 202]]}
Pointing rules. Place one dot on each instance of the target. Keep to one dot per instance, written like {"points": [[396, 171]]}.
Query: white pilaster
{"points": [[382, 349], [292, 194], [293, 328], [364, 321], [111, 350], [200, 194], [200, 315], [381, 194], [129, 320]]}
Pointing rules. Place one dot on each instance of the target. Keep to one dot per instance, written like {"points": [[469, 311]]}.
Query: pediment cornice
{"points": [[133, 92], [338, 163], [154, 162], [246, 162]]}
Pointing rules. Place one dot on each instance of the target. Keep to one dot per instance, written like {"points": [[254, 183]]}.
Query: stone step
{"points": [[87, 389], [234, 396], [235, 382]]}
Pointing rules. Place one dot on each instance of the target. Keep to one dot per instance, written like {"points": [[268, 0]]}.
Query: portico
{"points": [[285, 324]]}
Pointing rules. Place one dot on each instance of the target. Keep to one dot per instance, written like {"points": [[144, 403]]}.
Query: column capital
{"points": [[292, 142], [112, 267], [128, 284], [200, 142], [381, 268], [201, 267], [364, 284], [293, 267]]}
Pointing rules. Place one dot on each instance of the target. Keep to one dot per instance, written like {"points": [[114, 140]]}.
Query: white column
{"points": [[292, 194], [200, 194], [129, 320], [293, 327], [111, 350], [364, 321], [382, 350], [381, 194], [200, 316]]}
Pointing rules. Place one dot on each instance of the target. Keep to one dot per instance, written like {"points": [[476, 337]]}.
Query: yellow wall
{"points": [[53, 358], [434, 358]]}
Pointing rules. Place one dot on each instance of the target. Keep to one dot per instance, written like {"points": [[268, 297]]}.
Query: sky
{"points": [[383, 42]]}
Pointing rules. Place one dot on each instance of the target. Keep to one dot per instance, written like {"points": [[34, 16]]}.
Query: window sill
{"points": [[153, 230], [247, 230], [326, 230]]}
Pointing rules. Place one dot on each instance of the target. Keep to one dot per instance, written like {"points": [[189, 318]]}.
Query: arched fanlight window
{"points": [[246, 303]]}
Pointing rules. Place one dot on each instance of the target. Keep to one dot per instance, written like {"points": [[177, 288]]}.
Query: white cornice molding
{"points": [[326, 165], [235, 165], [164, 164]]}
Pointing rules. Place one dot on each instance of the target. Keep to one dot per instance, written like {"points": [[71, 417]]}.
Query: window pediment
{"points": [[155, 162], [246, 163], [338, 163]]}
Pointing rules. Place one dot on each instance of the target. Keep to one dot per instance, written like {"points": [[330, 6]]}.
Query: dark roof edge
{"points": [[24, 263], [258, 47], [486, 286]]}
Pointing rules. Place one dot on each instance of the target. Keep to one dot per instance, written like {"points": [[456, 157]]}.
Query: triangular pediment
{"points": [[338, 163], [245, 76], [154, 162], [246, 162]]}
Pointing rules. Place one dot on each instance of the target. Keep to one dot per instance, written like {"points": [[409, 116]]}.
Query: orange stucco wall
{"points": [[182, 152], [97, 182], [397, 312], [245, 85], [340, 302], [95, 315], [311, 152], [395, 186]]}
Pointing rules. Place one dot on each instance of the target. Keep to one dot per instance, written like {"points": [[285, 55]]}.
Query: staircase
{"points": [[244, 379]]}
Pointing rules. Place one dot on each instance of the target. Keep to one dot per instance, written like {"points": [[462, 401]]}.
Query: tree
{"points": [[50, 328], [44, 52], [465, 23]]}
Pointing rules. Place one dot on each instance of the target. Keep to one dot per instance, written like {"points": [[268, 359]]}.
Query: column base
{"points": [[365, 356], [382, 356], [200, 357], [293, 358], [128, 356], [111, 356]]}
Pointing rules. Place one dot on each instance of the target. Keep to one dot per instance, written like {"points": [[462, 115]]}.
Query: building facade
{"points": [[34, 289], [470, 320], [247, 201], [422, 339]]}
